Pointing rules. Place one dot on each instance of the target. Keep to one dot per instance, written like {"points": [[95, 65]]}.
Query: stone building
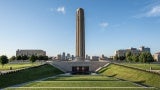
{"points": [[144, 49], [30, 52], [133, 51], [95, 58], [156, 56]]}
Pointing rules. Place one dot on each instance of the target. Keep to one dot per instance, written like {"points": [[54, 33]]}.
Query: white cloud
{"points": [[61, 10], [103, 24], [154, 11]]}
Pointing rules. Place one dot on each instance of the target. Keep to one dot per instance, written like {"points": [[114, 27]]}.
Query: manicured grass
{"points": [[29, 74], [144, 66], [81, 89], [78, 82], [81, 81], [81, 84], [17, 66], [82, 78], [132, 75]]}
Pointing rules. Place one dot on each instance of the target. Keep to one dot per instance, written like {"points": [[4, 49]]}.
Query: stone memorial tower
{"points": [[80, 34]]}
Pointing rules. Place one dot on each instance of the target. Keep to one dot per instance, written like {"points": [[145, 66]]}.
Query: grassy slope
{"points": [[17, 66], [28, 75], [79, 81], [132, 75], [144, 66]]}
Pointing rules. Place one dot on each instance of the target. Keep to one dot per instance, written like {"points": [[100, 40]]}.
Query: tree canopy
{"points": [[3, 60], [33, 58]]}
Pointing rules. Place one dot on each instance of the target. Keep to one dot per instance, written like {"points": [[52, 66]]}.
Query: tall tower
{"points": [[80, 34]]}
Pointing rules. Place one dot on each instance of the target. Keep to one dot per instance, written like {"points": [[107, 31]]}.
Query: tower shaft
{"points": [[80, 34]]}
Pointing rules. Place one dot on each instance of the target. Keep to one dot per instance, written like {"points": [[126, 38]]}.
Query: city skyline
{"points": [[51, 25]]}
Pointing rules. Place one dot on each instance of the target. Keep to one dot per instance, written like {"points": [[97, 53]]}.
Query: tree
{"points": [[3, 60], [142, 57], [149, 57], [115, 57], [128, 56], [33, 58], [122, 57], [18, 58], [25, 57], [12, 58], [135, 58], [45, 57], [146, 57], [40, 57]]}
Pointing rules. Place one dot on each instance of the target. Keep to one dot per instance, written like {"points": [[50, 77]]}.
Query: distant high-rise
{"points": [[80, 34], [63, 56], [144, 49]]}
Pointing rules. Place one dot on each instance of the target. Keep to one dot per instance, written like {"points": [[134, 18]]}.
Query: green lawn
{"points": [[81, 82], [82, 78], [29, 74], [132, 75], [144, 66], [17, 66], [107, 80], [81, 89]]}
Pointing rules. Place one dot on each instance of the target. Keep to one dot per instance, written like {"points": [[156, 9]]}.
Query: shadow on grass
{"points": [[142, 83], [113, 75]]}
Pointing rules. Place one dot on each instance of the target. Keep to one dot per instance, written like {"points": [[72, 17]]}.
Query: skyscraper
{"points": [[80, 34]]}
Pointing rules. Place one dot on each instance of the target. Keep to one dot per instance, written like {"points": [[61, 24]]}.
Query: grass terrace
{"points": [[143, 66], [17, 66], [81, 82], [28, 74], [132, 75], [82, 78], [112, 77]]}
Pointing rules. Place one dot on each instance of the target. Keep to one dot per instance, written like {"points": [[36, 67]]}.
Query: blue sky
{"points": [[50, 25]]}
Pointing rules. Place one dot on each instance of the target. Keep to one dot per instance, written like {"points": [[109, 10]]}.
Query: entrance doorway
{"points": [[80, 70]]}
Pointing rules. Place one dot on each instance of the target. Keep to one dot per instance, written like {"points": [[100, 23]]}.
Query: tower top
{"points": [[80, 9]]}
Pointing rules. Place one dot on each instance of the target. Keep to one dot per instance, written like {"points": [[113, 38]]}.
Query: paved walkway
{"points": [[157, 71]]}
